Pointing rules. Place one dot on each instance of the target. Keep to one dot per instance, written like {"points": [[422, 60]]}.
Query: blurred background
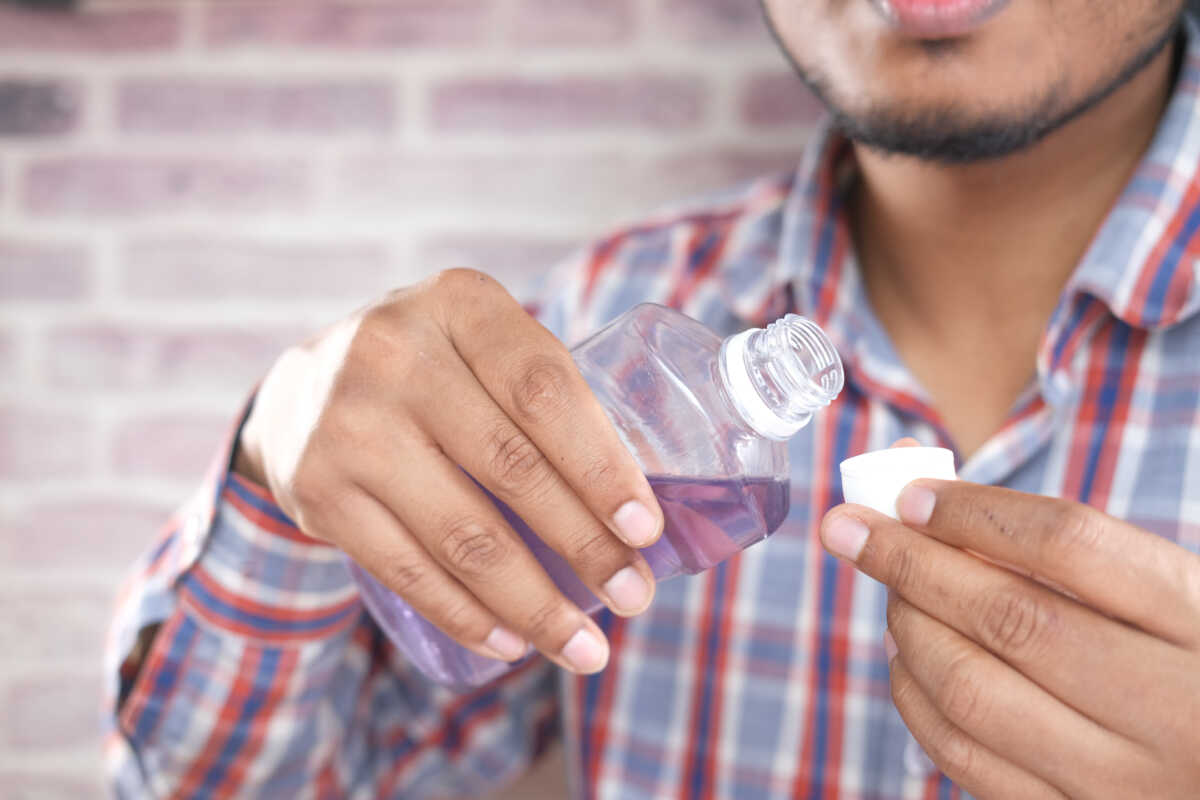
{"points": [[186, 187]]}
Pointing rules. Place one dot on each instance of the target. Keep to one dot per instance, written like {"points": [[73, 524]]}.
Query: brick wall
{"points": [[187, 185]]}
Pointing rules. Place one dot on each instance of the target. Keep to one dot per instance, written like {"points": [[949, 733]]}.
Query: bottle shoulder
{"points": [[655, 370]]}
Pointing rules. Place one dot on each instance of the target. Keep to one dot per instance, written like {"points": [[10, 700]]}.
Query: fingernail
{"points": [[915, 505], [628, 591], [845, 537], [585, 652], [889, 645], [505, 644], [635, 523]]}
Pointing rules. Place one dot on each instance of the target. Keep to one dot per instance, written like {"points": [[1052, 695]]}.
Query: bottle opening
{"points": [[779, 376]]}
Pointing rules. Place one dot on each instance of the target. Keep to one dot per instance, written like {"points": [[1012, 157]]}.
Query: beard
{"points": [[948, 135]]}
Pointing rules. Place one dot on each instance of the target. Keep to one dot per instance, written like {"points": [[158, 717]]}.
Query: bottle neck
{"points": [[778, 376]]}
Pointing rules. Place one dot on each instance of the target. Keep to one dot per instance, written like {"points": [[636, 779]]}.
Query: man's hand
{"points": [[360, 435], [1082, 680]]}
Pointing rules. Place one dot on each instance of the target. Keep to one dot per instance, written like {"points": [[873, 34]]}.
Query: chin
{"points": [[988, 67]]}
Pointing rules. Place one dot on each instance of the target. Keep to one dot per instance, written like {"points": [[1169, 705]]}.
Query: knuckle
{"points": [[1016, 622], [375, 333], [953, 752], [960, 695], [318, 502], [473, 548], [594, 548], [540, 391], [308, 489], [462, 282], [600, 474], [542, 624], [515, 461], [463, 621], [343, 426], [1074, 527], [402, 576], [900, 568]]}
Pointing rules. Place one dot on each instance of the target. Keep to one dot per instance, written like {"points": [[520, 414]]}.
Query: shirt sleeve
{"points": [[256, 672]]}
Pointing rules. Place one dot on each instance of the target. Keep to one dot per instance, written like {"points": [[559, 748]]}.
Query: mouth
{"points": [[938, 19]]}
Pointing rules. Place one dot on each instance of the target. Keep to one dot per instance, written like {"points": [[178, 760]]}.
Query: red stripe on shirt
{"points": [[695, 276], [705, 626], [1087, 418], [608, 682], [224, 725], [602, 256], [281, 614], [135, 704], [839, 639], [259, 724], [465, 728], [1153, 263], [821, 497], [733, 572], [263, 520], [1106, 467]]}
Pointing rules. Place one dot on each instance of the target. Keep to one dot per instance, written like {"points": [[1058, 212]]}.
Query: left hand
{"points": [[1017, 689]]}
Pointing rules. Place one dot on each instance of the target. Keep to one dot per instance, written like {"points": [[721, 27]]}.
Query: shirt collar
{"points": [[1144, 262]]}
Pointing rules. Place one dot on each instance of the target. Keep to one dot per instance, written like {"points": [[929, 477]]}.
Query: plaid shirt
{"points": [[764, 677]]}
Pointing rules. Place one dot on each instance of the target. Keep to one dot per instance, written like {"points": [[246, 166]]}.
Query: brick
{"points": [[118, 356], [125, 185], [55, 622], [779, 99], [513, 260], [713, 21], [44, 270], [201, 105], [344, 25], [102, 534], [54, 711], [572, 22], [168, 445], [38, 107], [515, 105], [94, 31], [191, 268], [36, 444]]}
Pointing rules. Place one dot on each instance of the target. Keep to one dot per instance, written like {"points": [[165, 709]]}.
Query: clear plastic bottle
{"points": [[708, 421]]}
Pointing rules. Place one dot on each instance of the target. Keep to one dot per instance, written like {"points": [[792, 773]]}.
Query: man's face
{"points": [[958, 80]]}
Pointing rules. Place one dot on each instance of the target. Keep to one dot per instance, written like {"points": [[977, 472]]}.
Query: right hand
{"points": [[360, 435]]}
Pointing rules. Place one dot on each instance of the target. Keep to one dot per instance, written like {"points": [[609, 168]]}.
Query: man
{"points": [[998, 228]]}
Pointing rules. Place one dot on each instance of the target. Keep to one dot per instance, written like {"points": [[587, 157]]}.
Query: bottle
{"points": [[708, 421]]}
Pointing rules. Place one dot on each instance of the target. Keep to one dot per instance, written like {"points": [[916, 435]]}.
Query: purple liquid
{"points": [[707, 521]]}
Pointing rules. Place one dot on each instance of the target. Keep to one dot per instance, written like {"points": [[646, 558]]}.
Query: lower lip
{"points": [[938, 19]]}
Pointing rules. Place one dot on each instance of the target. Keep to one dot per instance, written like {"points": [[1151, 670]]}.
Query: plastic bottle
{"points": [[708, 421]]}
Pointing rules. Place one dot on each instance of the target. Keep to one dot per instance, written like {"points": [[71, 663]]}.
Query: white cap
{"points": [[876, 479]]}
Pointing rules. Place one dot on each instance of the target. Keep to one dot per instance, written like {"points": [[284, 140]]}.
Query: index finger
{"points": [[531, 376], [1115, 567], [1080, 656]]}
